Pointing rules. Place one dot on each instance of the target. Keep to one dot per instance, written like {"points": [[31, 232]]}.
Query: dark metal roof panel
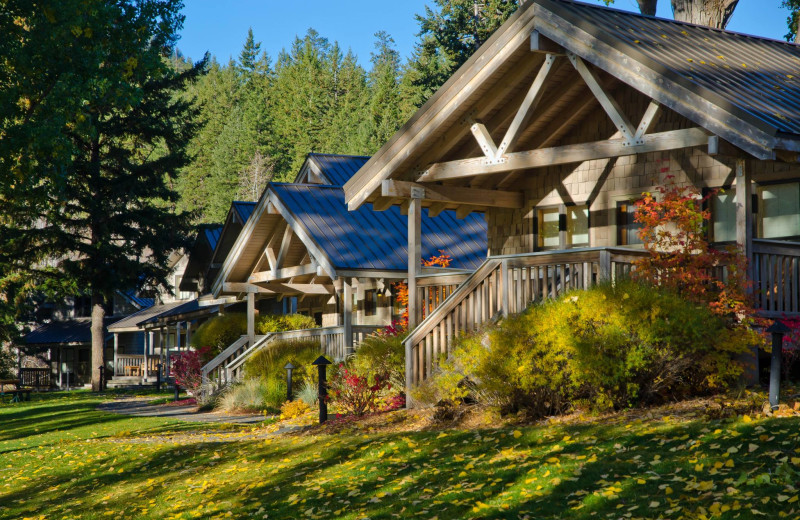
{"points": [[339, 168], [366, 239], [142, 303], [758, 79], [77, 330], [136, 319], [244, 209]]}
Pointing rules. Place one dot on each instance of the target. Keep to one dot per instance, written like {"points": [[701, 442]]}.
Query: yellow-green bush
{"points": [[268, 363], [220, 331], [382, 353], [292, 409], [613, 346]]}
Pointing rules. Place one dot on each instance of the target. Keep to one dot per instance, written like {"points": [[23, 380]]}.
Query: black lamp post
{"points": [[289, 394], [102, 378], [777, 329], [322, 364]]}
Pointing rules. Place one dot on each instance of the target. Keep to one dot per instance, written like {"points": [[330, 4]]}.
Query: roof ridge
{"points": [[340, 155]]}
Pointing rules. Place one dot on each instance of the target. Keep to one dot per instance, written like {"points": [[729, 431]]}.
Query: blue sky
{"points": [[221, 27]]}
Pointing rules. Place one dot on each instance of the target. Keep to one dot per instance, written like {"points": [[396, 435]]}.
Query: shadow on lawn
{"points": [[460, 470]]}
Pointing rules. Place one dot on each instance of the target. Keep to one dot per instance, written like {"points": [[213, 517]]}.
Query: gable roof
{"points": [[332, 169], [739, 87], [367, 239], [243, 209], [200, 256], [133, 321]]}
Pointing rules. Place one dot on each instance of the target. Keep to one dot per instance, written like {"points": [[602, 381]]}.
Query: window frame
{"points": [[563, 225]]}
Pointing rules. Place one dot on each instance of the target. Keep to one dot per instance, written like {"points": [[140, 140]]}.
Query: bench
{"points": [[17, 394]]}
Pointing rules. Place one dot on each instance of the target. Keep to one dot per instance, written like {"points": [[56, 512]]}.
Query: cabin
{"points": [[302, 245], [560, 121]]}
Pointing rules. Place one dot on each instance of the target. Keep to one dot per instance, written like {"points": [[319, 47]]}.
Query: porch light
{"points": [[777, 329]]}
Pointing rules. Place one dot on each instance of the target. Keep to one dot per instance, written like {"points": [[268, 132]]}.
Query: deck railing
{"points": [[35, 377], [506, 285], [434, 288], [228, 365], [134, 365], [776, 277]]}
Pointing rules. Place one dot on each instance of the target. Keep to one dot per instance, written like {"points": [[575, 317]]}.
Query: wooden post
{"points": [[414, 254], [744, 213], [604, 266], [116, 348], [505, 280], [178, 336], [347, 318], [744, 241], [251, 318], [144, 365]]}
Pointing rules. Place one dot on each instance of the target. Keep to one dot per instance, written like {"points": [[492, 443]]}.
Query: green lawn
{"points": [[59, 458]]}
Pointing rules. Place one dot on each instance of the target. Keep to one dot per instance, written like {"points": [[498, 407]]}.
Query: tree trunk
{"points": [[98, 338], [648, 7], [713, 13]]}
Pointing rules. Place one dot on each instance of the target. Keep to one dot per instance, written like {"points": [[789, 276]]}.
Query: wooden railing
{"points": [[134, 364], [35, 377], [776, 278], [228, 365], [433, 289], [505, 285]]}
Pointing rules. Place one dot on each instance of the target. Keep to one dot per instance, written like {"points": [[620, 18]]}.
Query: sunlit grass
{"points": [[60, 458]]}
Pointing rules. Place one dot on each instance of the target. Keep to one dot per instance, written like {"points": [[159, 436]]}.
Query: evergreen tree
{"points": [[384, 110], [95, 132]]}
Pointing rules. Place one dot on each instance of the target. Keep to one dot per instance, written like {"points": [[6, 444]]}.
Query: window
{"points": [[779, 211], [562, 227], [627, 227], [577, 226], [370, 302], [397, 309], [723, 216], [548, 231]]}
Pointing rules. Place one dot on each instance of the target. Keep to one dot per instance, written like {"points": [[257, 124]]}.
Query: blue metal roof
{"points": [[213, 234], [142, 303], [244, 210], [366, 239], [338, 168], [755, 78]]}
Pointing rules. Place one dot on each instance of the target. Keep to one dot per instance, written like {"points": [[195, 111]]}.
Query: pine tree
{"points": [[384, 113], [96, 133]]}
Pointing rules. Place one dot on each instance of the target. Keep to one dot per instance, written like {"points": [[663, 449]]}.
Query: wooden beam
{"points": [[713, 145], [484, 139], [238, 287], [648, 119], [544, 45], [609, 104], [283, 274], [382, 204], [299, 288], [463, 212], [744, 212], [269, 252], [285, 243], [454, 195], [574, 153], [436, 208], [526, 108]]}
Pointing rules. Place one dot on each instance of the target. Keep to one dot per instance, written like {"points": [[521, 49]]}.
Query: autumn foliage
{"points": [[681, 257], [401, 288], [187, 367]]}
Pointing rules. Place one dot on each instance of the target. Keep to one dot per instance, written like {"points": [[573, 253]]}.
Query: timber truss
{"points": [[275, 274], [503, 157]]}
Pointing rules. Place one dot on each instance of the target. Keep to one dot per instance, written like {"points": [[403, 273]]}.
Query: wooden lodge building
{"points": [[564, 117], [338, 266]]}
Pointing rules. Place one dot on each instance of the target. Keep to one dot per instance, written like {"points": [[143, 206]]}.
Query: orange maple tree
{"points": [[681, 257]]}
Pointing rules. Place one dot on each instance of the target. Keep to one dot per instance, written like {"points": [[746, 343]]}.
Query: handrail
{"points": [[225, 354]]}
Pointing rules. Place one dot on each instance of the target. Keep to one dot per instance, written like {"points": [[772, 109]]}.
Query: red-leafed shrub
{"points": [[187, 368], [356, 394]]}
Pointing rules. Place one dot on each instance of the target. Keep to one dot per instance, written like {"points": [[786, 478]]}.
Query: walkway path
{"points": [[141, 407]]}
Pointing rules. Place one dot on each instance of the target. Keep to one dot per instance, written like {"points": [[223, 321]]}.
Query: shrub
{"points": [[614, 346], [354, 393], [220, 331], [292, 409], [269, 362], [383, 353], [187, 367]]}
